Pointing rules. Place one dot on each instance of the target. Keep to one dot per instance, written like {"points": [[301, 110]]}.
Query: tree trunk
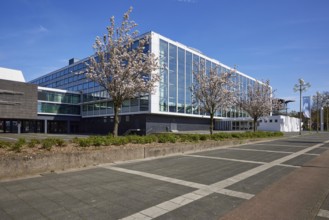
{"points": [[116, 121], [211, 123], [255, 124]]}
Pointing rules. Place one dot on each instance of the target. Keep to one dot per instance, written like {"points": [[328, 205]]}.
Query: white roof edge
{"points": [[57, 90], [11, 74]]}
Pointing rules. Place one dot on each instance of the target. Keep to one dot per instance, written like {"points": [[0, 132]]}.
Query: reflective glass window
{"points": [[172, 78], [188, 83], [181, 81], [195, 70], [163, 89]]}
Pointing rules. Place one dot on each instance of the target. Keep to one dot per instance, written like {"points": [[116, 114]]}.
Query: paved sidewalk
{"points": [[296, 196], [279, 179]]}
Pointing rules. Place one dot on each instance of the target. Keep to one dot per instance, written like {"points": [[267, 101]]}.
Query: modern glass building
{"points": [[170, 107]]}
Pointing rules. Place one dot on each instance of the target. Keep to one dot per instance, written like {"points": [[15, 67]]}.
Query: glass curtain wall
{"points": [[176, 78], [163, 61], [172, 78]]}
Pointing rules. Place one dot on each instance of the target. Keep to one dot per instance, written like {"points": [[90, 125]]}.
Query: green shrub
{"points": [[167, 138], [84, 142], [134, 139], [96, 141], [48, 143], [193, 137], [33, 142], [22, 141], [237, 135], [148, 139], [183, 137], [120, 141], [221, 136], [203, 137], [5, 144], [60, 142], [17, 146], [75, 140]]}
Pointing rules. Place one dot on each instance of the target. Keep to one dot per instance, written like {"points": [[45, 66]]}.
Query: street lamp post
{"points": [[317, 111], [301, 87], [327, 113]]}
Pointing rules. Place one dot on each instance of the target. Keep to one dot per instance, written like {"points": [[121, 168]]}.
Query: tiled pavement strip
{"points": [[323, 213], [324, 210], [205, 190]]}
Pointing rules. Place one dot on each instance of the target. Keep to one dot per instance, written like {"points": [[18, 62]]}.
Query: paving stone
{"points": [[168, 205], [269, 146], [325, 204], [4, 215], [258, 156], [192, 169], [300, 160], [210, 207], [153, 211], [317, 150], [137, 216], [258, 182]]}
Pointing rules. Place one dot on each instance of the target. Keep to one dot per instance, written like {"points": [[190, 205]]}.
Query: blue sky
{"points": [[279, 40]]}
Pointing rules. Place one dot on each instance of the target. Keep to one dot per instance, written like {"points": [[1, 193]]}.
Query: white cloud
{"points": [[38, 30], [188, 1]]}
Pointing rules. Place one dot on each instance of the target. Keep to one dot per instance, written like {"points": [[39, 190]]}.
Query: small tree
{"points": [[213, 90], [319, 100], [258, 101], [301, 87], [121, 65]]}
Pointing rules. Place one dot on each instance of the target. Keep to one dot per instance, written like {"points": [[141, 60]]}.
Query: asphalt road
{"points": [[280, 179]]}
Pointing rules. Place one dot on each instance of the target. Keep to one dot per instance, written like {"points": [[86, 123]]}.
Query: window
{"points": [[164, 76], [195, 69], [188, 83], [172, 78], [181, 81]]}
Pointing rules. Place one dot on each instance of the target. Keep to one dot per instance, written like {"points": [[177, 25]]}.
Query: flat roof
{"points": [[11, 74]]}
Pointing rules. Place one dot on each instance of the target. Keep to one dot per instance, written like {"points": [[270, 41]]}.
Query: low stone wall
{"points": [[20, 166]]}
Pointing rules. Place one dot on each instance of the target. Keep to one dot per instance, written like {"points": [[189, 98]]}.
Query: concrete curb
{"points": [[23, 166]]}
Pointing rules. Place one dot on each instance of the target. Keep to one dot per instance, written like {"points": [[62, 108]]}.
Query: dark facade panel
{"points": [[163, 123], [104, 125], [143, 124], [18, 100]]}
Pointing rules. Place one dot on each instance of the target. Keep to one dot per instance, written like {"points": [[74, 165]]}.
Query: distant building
{"points": [[279, 123]]}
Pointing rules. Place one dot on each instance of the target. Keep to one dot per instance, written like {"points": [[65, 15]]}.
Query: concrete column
{"points": [[19, 126], [46, 126]]}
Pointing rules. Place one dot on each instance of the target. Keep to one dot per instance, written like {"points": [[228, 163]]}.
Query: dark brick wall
{"points": [[18, 100]]}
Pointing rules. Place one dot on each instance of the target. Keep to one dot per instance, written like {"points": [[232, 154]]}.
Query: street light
{"points": [[301, 87], [318, 96], [327, 102]]}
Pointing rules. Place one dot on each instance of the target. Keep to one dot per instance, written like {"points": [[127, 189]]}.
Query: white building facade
{"points": [[279, 123]]}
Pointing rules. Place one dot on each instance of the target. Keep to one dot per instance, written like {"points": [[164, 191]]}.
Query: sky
{"points": [[278, 40]]}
